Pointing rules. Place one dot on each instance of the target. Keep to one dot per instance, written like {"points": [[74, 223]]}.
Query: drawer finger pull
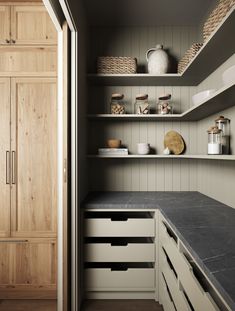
{"points": [[119, 219], [119, 269], [119, 244], [13, 241]]}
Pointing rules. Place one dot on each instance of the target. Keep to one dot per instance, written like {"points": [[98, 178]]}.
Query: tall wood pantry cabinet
{"points": [[28, 153]]}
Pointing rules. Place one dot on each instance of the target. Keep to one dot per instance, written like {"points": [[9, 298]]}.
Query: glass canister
{"points": [[117, 105], [164, 105], [141, 104], [214, 140], [224, 125]]}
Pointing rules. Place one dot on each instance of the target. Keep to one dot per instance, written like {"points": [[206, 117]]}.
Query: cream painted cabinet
{"points": [[28, 269], [4, 24], [34, 153], [5, 157], [26, 25]]}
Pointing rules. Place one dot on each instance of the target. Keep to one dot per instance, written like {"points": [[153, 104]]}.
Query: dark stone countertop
{"points": [[204, 225]]}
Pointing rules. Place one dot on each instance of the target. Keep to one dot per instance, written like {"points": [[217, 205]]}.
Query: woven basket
{"points": [[216, 17], [188, 56], [117, 65]]}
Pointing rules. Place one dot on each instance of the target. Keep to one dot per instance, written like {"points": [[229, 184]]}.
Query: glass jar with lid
{"points": [[214, 140], [141, 104], [224, 125], [164, 105], [117, 105]]}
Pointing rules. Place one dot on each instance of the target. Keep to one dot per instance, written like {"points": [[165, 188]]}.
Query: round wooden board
{"points": [[174, 141]]}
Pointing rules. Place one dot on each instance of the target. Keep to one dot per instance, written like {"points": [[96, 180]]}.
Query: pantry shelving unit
{"points": [[201, 66], [220, 100], [156, 156]]}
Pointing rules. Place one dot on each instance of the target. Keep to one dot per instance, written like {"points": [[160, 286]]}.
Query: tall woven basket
{"points": [[216, 17], [116, 65]]}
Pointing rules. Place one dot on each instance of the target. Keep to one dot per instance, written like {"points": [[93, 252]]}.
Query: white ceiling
{"points": [[147, 12]]}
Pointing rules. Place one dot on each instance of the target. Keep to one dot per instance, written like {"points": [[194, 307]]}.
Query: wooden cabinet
{"points": [[34, 153], [5, 157], [4, 24], [28, 269], [26, 25]]}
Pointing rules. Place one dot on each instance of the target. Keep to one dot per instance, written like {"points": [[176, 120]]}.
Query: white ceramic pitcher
{"points": [[158, 60]]}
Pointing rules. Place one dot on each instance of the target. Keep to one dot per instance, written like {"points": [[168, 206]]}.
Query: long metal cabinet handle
{"points": [[7, 167], [13, 168]]}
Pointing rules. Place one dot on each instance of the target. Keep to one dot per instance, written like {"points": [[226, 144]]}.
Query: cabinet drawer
{"points": [[108, 280], [172, 283], [128, 228], [200, 299], [132, 252], [164, 296]]}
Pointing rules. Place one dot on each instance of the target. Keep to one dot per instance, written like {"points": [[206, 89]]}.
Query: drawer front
{"points": [[164, 297], [132, 252], [177, 295], [105, 279], [128, 228], [200, 299]]}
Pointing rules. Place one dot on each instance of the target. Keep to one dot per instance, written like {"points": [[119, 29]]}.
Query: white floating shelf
{"points": [[217, 49], [156, 156], [220, 100]]}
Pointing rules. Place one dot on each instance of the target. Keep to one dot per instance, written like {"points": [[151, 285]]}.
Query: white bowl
{"points": [[200, 97], [228, 75]]}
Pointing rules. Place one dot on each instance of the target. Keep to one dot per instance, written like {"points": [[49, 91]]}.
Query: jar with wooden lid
{"points": [[164, 105], [214, 140], [142, 104], [117, 105], [224, 125]]}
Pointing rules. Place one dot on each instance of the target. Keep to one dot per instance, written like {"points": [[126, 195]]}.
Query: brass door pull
{"points": [[13, 168], [7, 167]]}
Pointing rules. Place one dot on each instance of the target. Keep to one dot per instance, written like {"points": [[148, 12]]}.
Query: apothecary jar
{"points": [[117, 105], [214, 140]]}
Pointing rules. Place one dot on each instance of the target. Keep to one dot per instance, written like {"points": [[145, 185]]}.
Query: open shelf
{"points": [[218, 48], [220, 100], [156, 156]]}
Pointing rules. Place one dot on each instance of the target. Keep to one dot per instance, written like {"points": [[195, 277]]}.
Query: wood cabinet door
{"points": [[4, 24], [28, 269], [31, 24], [5, 157], [34, 157]]}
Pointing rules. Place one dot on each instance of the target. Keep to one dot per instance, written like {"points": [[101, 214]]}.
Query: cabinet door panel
{"points": [[34, 140], [4, 157], [28, 269], [41, 29], [4, 24]]}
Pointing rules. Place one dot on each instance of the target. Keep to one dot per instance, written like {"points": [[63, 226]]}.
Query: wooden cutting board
{"points": [[175, 142]]}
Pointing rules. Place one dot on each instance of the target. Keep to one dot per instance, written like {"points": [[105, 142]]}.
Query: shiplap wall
{"points": [[216, 178], [143, 175]]}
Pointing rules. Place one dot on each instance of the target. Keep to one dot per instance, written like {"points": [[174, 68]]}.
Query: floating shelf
{"points": [[156, 156], [218, 48], [220, 100]]}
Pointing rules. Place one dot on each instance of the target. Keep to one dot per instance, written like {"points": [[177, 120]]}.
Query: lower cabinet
{"points": [[182, 285], [28, 269], [120, 254]]}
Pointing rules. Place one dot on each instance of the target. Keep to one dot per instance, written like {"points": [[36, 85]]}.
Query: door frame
{"points": [[59, 12]]}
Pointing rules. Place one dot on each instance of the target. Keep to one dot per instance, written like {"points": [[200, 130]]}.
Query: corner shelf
{"points": [[218, 48], [156, 156], [220, 100]]}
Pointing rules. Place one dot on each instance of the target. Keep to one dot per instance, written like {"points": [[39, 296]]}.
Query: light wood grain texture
{"points": [[4, 24], [28, 269], [34, 139], [41, 29], [4, 161], [28, 61]]}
